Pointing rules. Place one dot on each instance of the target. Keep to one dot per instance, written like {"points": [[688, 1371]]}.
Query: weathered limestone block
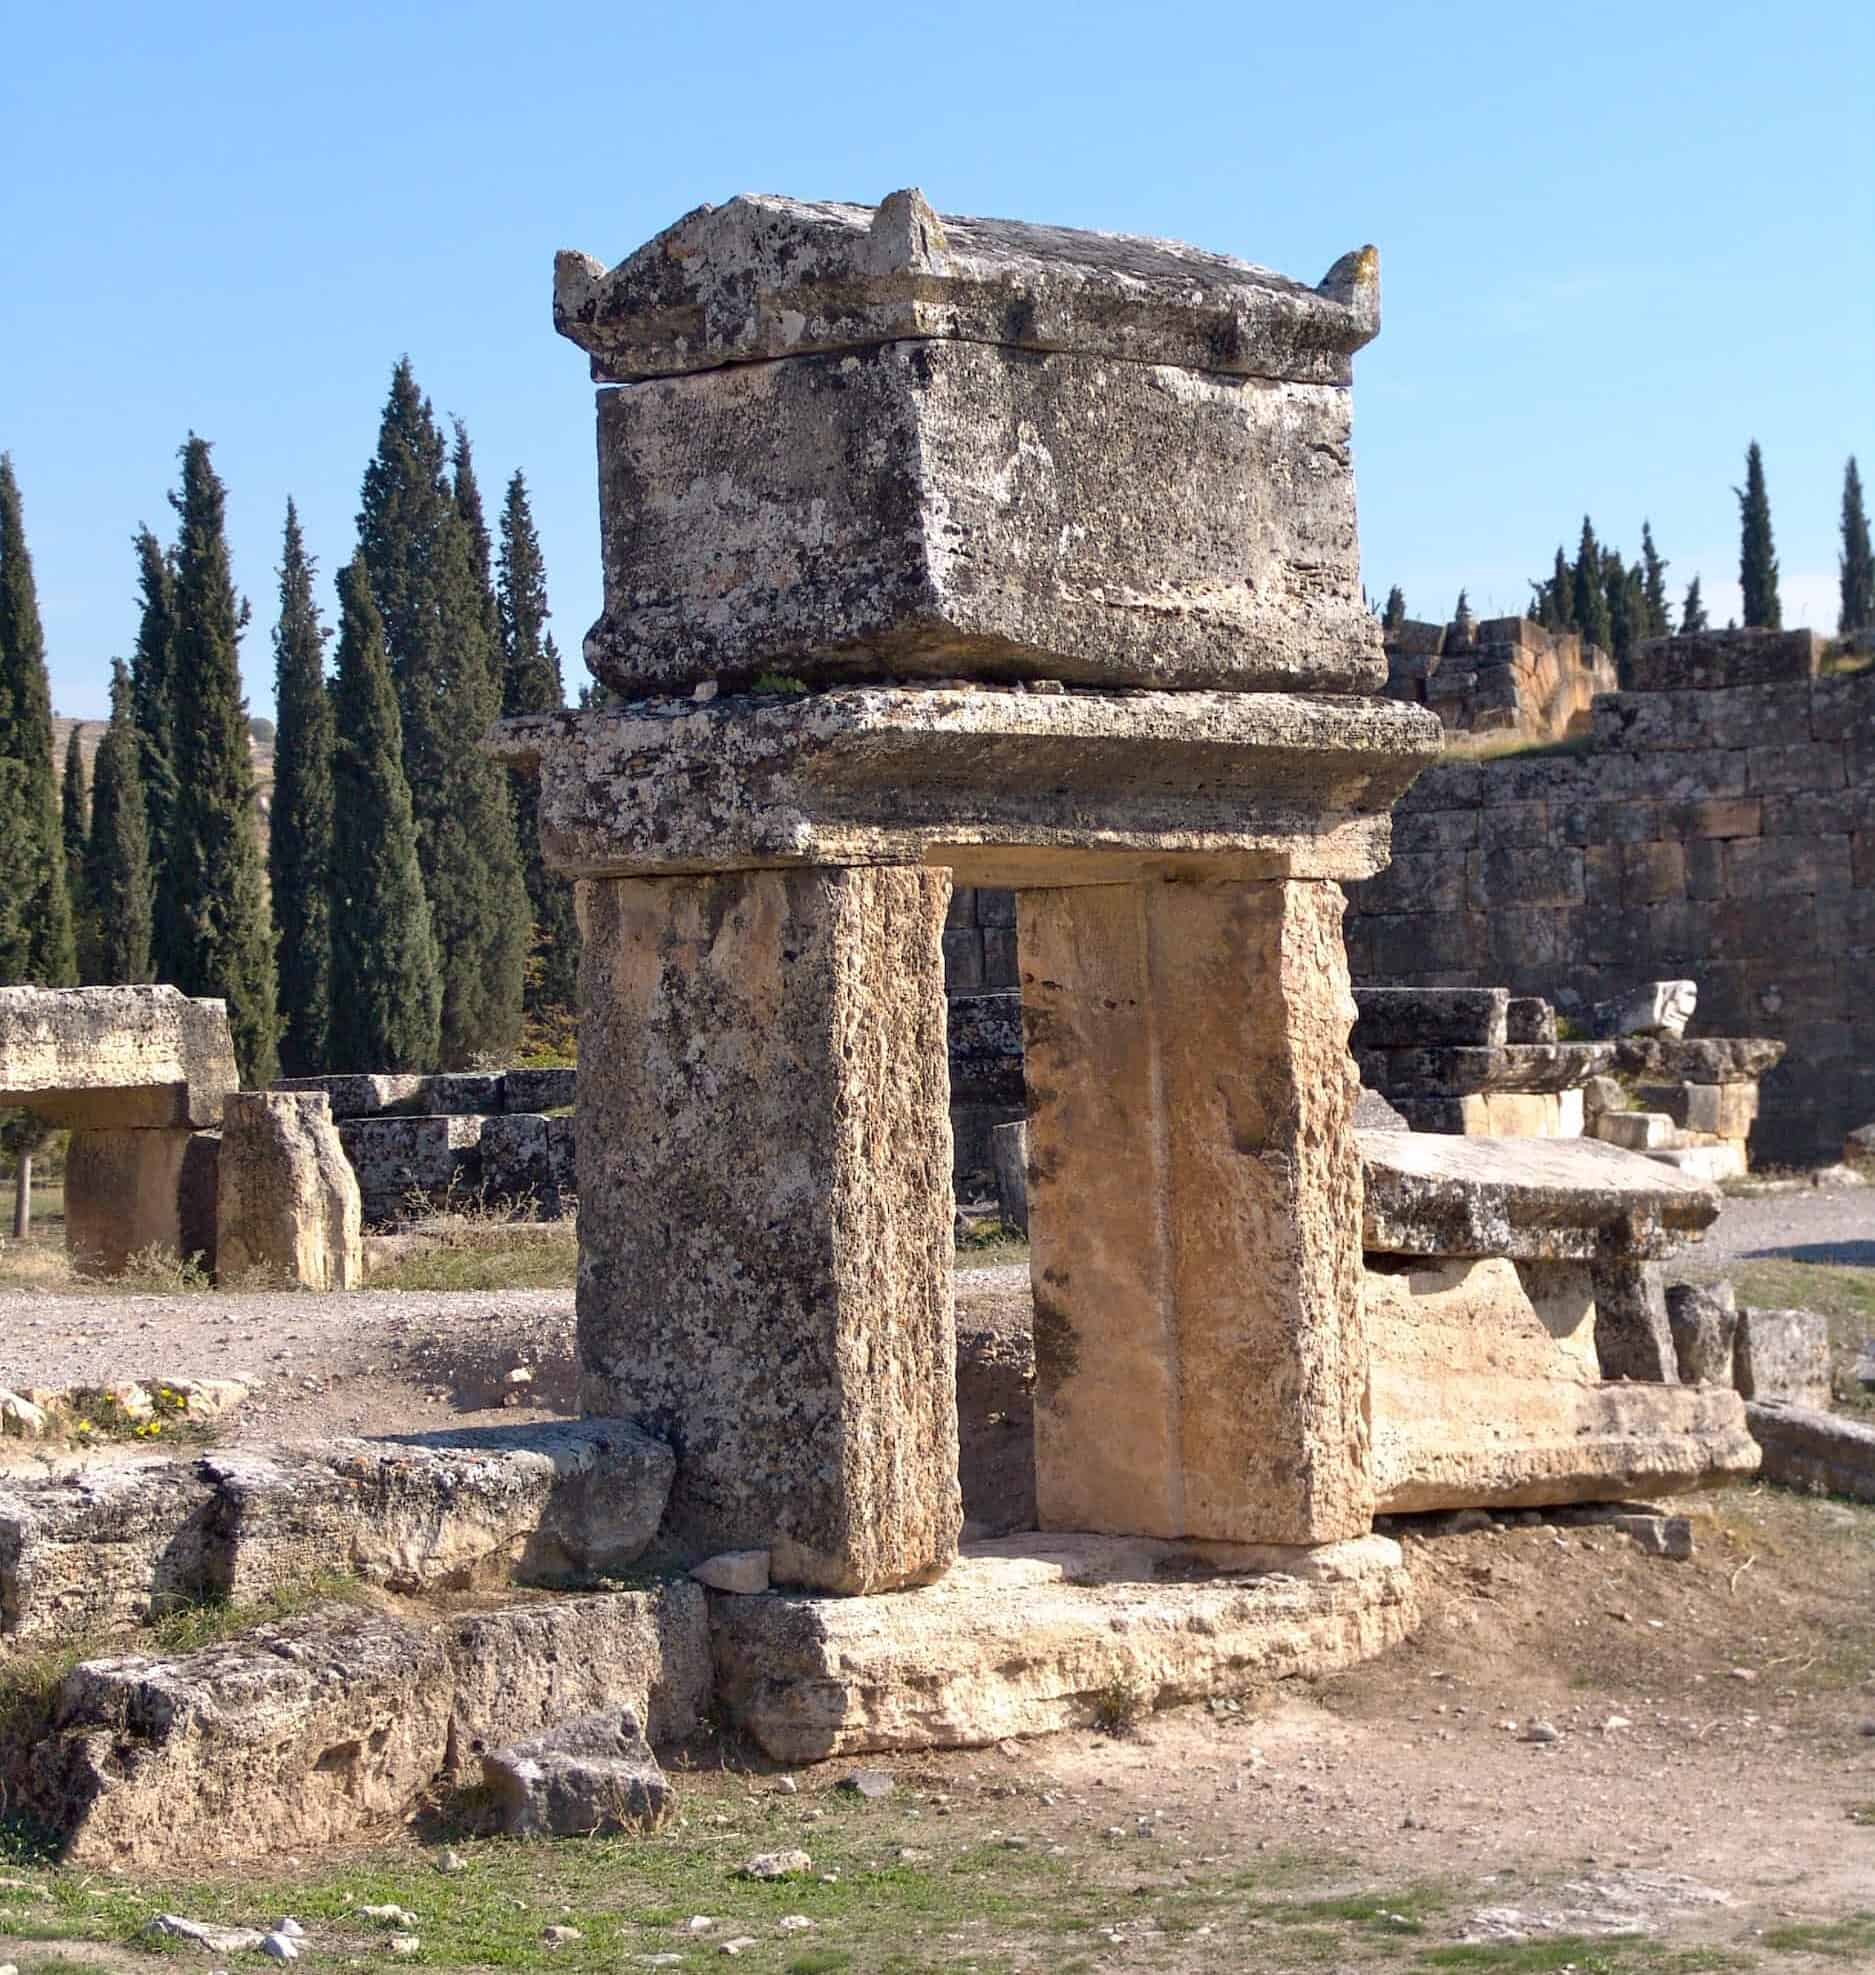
{"points": [[1703, 1317], [130, 1190], [402, 1162], [115, 1057], [1715, 1162], [1487, 1394], [324, 1727], [1726, 1110], [1003, 788], [287, 1199], [582, 1778], [1637, 1131], [1528, 1018], [1711, 660], [1561, 1200], [539, 1090], [105, 1547], [1655, 1008], [926, 508], [989, 488], [527, 1165], [765, 1212], [1822, 1452], [1194, 1213], [1783, 1355], [1633, 1336], [1024, 1634], [516, 1672], [298, 1734], [445, 1511]]}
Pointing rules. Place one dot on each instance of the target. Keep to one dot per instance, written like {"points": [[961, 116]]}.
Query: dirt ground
{"points": [[1586, 1758]]}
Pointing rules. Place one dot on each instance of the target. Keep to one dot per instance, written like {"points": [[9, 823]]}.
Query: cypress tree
{"points": [[421, 555], [1654, 567], [299, 843], [1562, 594], [40, 949], [1588, 595], [468, 498], [1692, 611], [117, 858], [1757, 557], [1391, 618], [152, 668], [217, 879], [1623, 618], [1857, 566], [74, 829], [531, 683], [386, 992]]}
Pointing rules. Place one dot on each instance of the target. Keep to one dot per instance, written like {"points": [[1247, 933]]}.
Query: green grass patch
{"points": [[212, 1622], [1833, 1940], [547, 1261], [1584, 1955]]}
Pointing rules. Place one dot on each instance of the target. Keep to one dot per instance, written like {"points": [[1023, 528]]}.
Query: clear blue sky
{"points": [[1616, 242]]}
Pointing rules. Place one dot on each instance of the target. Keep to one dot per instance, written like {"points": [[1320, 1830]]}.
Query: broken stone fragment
{"points": [[581, 1778], [1704, 1320], [287, 1202], [1783, 1355], [744, 1572]]}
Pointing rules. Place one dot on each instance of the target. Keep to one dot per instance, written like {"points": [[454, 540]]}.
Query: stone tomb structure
{"points": [[1057, 531], [139, 1075]]}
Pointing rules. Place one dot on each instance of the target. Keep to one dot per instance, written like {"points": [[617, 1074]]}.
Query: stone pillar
{"points": [[765, 1211], [287, 1198], [134, 1189], [1195, 1212]]}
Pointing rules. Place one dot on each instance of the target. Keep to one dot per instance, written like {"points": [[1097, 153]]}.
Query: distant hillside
{"points": [[91, 732]]}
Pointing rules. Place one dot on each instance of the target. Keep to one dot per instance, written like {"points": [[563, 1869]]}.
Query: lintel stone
{"points": [[112, 1058]]}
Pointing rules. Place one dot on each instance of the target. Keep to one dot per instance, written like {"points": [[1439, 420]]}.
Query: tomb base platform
{"points": [[1034, 1633]]}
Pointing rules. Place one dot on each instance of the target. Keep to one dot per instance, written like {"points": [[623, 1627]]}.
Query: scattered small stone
{"points": [[291, 1929], [218, 1940], [388, 1916], [777, 1865], [743, 1572], [794, 1923], [700, 1923], [871, 1784], [1541, 1732], [787, 1786], [660, 1961], [740, 1945], [558, 1936], [1743, 1673], [452, 1861], [705, 692], [1013, 1843], [279, 1947], [1615, 1722], [404, 1944]]}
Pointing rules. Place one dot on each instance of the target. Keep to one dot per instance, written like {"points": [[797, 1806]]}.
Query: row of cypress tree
{"points": [[1614, 603], [388, 921]]}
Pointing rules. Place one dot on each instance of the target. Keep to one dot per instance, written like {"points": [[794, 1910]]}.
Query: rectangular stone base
{"points": [[1024, 1635], [1819, 1452]]}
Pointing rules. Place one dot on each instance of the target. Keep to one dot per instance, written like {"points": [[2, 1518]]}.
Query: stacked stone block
{"points": [[1689, 1102], [1721, 826], [1057, 532], [1506, 675]]}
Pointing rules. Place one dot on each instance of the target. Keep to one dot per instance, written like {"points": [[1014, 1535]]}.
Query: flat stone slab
{"points": [[1820, 1452], [1487, 1394], [1532, 1199], [1024, 1635], [1698, 1059], [480, 1093], [326, 1726], [765, 276], [1005, 788], [103, 1058], [1423, 1018]]}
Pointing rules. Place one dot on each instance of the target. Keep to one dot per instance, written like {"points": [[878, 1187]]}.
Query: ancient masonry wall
{"points": [[1726, 835]]}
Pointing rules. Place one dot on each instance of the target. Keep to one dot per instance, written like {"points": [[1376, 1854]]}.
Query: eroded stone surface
{"points": [[1531, 1199], [1704, 1319], [764, 276], [112, 1057], [1783, 1355], [1022, 1635], [1000, 787], [130, 1190], [582, 1778], [287, 1199], [924, 509], [765, 1212], [1487, 1393], [1807, 1447], [1194, 1213]]}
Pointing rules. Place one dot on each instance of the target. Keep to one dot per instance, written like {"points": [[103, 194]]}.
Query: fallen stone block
{"points": [[1636, 1131], [106, 1547], [1714, 1164], [1655, 1008], [115, 1058], [1027, 1635], [1724, 1110], [1530, 1199], [522, 1169], [583, 1778], [1709, 661], [288, 1203], [1529, 1018], [400, 1161], [1698, 1059], [1703, 1317], [300, 1734], [530, 1503], [1420, 1018], [1809, 1448], [1486, 1394], [1783, 1355], [517, 1671], [1633, 1338]]}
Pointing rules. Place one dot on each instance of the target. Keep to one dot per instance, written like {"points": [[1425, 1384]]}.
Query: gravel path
{"points": [[1833, 1224]]}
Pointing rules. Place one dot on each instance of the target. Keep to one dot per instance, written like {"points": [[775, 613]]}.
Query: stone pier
{"points": [[937, 549]]}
